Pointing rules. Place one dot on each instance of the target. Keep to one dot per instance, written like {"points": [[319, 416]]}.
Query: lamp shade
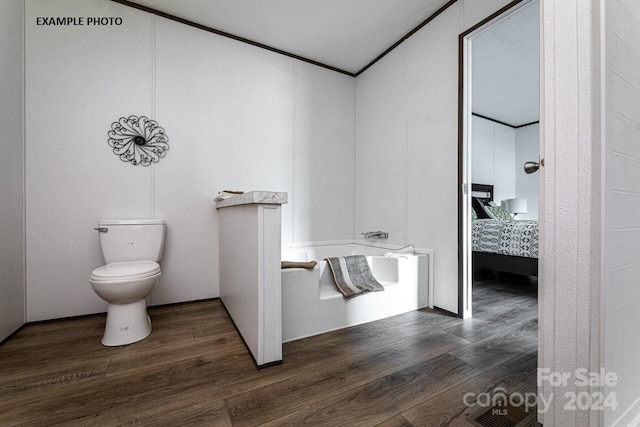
{"points": [[515, 206]]}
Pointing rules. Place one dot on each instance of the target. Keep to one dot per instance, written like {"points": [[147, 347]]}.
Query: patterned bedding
{"points": [[517, 238]]}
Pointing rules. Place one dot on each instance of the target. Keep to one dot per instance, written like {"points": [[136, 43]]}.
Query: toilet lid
{"points": [[126, 270]]}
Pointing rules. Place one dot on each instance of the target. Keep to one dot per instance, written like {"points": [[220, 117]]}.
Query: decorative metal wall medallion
{"points": [[138, 140]]}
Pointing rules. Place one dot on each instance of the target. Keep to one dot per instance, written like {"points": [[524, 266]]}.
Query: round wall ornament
{"points": [[138, 140]]}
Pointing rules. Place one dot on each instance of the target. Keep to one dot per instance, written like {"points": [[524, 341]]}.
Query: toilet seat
{"points": [[125, 271]]}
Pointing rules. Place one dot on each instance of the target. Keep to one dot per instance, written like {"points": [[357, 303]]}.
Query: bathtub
{"points": [[311, 304]]}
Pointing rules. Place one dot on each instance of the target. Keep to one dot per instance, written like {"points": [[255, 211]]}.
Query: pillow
{"points": [[474, 214], [497, 212], [476, 204]]}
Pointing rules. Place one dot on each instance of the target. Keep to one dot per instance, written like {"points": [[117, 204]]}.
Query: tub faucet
{"points": [[375, 235]]}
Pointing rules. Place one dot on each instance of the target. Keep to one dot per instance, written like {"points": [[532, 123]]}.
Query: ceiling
{"points": [[350, 34], [506, 64], [346, 34]]}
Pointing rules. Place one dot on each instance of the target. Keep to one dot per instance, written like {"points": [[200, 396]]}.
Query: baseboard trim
{"points": [[255, 362], [62, 319], [102, 313], [171, 304], [11, 335], [450, 313]]}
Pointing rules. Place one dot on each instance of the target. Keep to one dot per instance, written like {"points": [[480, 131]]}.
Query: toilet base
{"points": [[126, 324]]}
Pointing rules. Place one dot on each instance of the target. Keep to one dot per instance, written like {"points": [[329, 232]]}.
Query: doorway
{"points": [[498, 133]]}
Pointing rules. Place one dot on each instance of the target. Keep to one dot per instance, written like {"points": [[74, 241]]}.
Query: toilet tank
{"points": [[132, 240]]}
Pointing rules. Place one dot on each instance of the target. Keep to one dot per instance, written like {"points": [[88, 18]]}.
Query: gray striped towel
{"points": [[353, 276]]}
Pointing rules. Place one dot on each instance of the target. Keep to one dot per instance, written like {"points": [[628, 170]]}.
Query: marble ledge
{"points": [[254, 197]]}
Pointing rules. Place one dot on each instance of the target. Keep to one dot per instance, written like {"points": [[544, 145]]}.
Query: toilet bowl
{"points": [[131, 251], [125, 285]]}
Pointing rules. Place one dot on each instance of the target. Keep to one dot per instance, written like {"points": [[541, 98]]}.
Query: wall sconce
{"points": [[531, 167], [515, 206]]}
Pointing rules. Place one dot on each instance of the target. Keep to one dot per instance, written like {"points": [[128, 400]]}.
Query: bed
{"points": [[505, 245]]}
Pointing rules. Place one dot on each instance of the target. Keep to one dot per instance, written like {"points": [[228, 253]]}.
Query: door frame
{"points": [[464, 153]]}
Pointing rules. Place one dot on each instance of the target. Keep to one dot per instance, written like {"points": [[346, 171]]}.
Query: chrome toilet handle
{"points": [[101, 229]]}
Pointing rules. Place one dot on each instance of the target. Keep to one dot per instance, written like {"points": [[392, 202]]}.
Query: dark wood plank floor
{"points": [[408, 370]]}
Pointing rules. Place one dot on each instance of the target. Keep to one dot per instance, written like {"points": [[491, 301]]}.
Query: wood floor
{"points": [[412, 369]]}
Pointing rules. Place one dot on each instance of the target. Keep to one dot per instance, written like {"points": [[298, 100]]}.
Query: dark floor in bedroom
{"points": [[411, 369]]}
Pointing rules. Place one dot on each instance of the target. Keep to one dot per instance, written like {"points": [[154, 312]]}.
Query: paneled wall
{"points": [[621, 317], [498, 156], [407, 143], [79, 80], [237, 117], [493, 157], [12, 294]]}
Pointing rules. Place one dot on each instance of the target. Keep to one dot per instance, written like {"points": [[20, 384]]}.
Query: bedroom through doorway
{"points": [[499, 199]]}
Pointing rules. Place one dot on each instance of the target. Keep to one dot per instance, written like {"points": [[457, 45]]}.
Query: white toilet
{"points": [[131, 249]]}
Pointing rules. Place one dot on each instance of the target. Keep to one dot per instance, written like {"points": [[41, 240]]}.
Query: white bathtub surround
{"points": [[312, 305], [250, 280]]}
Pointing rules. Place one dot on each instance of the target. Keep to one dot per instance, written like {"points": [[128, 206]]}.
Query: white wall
{"points": [[406, 142], [527, 150], [493, 157], [237, 117], [621, 317], [11, 167], [498, 156]]}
